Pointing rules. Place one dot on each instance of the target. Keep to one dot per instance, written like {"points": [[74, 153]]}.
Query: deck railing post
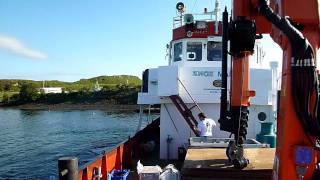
{"points": [[68, 168]]}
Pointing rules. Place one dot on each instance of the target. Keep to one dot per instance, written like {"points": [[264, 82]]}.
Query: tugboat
{"points": [[188, 85], [191, 82]]}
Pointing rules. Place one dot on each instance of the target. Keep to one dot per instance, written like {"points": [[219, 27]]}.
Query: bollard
{"points": [[68, 168]]}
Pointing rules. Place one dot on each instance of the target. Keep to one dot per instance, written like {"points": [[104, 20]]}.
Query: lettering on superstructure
{"points": [[206, 73]]}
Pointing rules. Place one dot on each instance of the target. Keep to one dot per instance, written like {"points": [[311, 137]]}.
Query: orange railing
{"points": [[119, 157]]}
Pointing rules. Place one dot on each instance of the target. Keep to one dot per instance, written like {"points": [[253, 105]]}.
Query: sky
{"points": [[74, 39]]}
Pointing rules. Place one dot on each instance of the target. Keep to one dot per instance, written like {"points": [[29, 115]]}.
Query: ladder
{"points": [[185, 112]]}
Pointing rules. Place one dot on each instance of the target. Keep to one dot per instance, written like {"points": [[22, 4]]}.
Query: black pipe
{"points": [[224, 67], [297, 40], [304, 76], [68, 168]]}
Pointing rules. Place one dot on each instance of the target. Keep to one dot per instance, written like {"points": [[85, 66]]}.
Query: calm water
{"points": [[32, 141]]}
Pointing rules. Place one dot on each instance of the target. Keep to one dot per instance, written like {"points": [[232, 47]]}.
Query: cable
{"points": [[140, 119], [165, 106], [194, 4], [305, 94], [184, 87], [305, 84]]}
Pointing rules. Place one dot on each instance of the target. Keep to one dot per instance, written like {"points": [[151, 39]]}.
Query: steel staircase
{"points": [[185, 112]]}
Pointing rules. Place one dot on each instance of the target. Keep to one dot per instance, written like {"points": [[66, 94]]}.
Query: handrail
{"points": [[185, 111], [190, 95], [178, 20]]}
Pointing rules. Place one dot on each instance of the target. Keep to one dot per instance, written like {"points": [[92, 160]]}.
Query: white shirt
{"points": [[206, 127]]}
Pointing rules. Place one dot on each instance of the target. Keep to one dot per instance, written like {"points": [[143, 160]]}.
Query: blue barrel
{"points": [[267, 134]]}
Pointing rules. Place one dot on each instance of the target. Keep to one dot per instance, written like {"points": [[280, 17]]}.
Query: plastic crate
{"points": [[119, 174]]}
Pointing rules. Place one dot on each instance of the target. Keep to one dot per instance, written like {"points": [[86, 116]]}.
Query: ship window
{"points": [[194, 51], [214, 50], [177, 49]]}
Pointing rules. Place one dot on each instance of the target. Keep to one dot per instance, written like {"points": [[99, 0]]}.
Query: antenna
{"points": [[216, 13]]}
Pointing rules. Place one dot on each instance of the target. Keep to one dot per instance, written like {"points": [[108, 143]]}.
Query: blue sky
{"points": [[73, 39]]}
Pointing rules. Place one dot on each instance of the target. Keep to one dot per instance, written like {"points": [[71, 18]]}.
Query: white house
{"points": [[53, 90]]}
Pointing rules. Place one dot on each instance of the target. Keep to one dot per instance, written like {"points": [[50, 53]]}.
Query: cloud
{"points": [[16, 47]]}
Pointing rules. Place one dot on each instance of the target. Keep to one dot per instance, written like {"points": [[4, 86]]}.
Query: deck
{"points": [[212, 163]]}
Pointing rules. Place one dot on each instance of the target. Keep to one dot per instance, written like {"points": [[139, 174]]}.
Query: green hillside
{"points": [[13, 85], [111, 80], [113, 86]]}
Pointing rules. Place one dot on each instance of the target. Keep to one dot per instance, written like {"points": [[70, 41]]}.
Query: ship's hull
{"points": [[199, 163]]}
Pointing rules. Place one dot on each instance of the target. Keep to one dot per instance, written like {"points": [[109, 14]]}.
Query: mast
{"points": [[216, 13]]}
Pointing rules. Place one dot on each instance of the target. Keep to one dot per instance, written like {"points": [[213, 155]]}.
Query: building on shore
{"points": [[53, 90], [97, 87]]}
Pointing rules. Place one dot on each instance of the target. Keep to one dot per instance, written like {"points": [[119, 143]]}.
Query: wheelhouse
{"points": [[196, 52]]}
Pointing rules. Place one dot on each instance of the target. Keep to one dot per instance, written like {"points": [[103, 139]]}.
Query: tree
{"points": [[28, 92], [7, 86], [5, 98]]}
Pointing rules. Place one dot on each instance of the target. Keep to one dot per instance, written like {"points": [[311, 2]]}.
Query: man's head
{"points": [[201, 116]]}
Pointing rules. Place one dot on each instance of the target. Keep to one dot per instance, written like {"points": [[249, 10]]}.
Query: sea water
{"points": [[31, 141]]}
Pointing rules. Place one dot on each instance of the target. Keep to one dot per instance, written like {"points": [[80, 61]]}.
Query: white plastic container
{"points": [[170, 173], [150, 173]]}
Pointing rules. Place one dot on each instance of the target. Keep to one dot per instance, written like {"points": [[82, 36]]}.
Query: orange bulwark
{"points": [[121, 157], [112, 160]]}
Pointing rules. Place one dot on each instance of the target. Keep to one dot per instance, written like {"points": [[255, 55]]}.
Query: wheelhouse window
{"points": [[194, 51], [214, 50], [177, 50]]}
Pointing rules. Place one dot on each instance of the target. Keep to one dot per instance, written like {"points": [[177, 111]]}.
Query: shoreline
{"points": [[76, 106]]}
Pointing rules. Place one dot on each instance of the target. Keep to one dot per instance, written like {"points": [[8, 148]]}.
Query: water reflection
{"points": [[30, 113]]}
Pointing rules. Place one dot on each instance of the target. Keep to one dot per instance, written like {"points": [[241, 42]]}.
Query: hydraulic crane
{"points": [[295, 26]]}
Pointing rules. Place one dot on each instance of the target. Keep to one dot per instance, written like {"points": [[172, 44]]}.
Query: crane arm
{"points": [[298, 125], [297, 41]]}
